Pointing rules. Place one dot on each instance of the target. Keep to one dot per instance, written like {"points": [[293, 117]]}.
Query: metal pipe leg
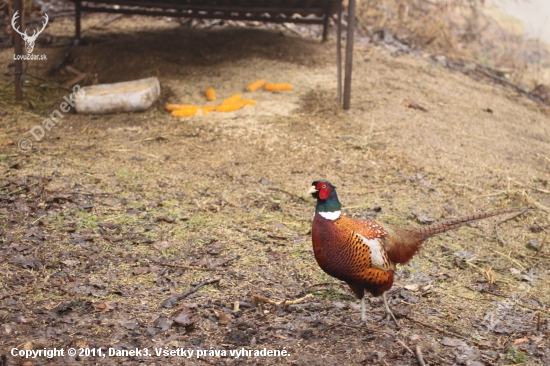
{"points": [[339, 52], [325, 27], [77, 6], [349, 54]]}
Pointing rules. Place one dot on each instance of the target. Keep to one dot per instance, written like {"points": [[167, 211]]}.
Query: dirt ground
{"points": [[101, 220]]}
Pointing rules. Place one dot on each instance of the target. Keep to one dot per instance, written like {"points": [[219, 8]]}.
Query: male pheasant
{"points": [[363, 253]]}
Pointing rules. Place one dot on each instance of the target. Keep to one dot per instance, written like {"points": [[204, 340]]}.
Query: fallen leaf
{"points": [[164, 323], [224, 319], [81, 343], [214, 248], [413, 287], [339, 305], [161, 245], [185, 318], [130, 325], [141, 270], [8, 328], [452, 342], [69, 262], [423, 219], [521, 340], [103, 307]]}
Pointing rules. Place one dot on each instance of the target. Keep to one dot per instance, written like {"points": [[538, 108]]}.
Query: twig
{"points": [[536, 203], [533, 188], [65, 57], [502, 80], [101, 25], [75, 80], [169, 303], [419, 356], [292, 30], [182, 266], [512, 260], [20, 189], [295, 196], [503, 221], [285, 303], [20, 292], [320, 284], [405, 346], [541, 245], [452, 334], [359, 327]]}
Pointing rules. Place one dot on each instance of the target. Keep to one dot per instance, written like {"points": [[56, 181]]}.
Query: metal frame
{"points": [[264, 14], [18, 49]]}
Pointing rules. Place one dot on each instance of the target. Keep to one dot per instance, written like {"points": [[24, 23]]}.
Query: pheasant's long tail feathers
{"points": [[440, 227]]}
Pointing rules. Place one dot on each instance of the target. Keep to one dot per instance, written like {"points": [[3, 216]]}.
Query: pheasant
{"points": [[364, 253]]}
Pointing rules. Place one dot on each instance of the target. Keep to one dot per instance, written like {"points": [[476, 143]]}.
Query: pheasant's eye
{"points": [[324, 186]]}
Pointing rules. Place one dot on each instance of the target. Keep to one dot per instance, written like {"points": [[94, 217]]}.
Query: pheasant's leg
{"points": [[363, 314], [388, 311]]}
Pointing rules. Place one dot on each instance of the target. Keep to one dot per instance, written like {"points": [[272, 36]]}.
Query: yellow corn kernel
{"points": [[233, 99], [208, 108], [188, 111], [277, 87], [249, 102], [255, 85], [210, 94], [173, 107], [230, 107]]}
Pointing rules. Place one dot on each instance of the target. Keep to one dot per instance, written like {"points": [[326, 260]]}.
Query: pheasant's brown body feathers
{"points": [[363, 253], [342, 253]]}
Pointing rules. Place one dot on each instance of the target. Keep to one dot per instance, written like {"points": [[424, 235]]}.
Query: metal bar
{"points": [[325, 26], [18, 50], [349, 54], [237, 9], [202, 16], [77, 18], [339, 52]]}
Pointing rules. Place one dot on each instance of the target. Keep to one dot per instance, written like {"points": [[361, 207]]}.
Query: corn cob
{"points": [[255, 85], [210, 94], [233, 99], [188, 111], [277, 87], [173, 107]]}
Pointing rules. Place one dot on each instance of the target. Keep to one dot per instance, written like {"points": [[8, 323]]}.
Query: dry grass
{"points": [[469, 31]]}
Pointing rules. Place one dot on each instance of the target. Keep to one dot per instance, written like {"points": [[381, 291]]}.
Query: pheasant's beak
{"points": [[312, 190]]}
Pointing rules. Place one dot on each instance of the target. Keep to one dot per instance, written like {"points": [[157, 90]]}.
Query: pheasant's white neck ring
{"points": [[331, 215]]}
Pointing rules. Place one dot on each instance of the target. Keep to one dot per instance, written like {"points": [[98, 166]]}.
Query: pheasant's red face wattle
{"points": [[324, 190]]}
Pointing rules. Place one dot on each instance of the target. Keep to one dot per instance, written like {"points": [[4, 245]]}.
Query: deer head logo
{"points": [[29, 40]]}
